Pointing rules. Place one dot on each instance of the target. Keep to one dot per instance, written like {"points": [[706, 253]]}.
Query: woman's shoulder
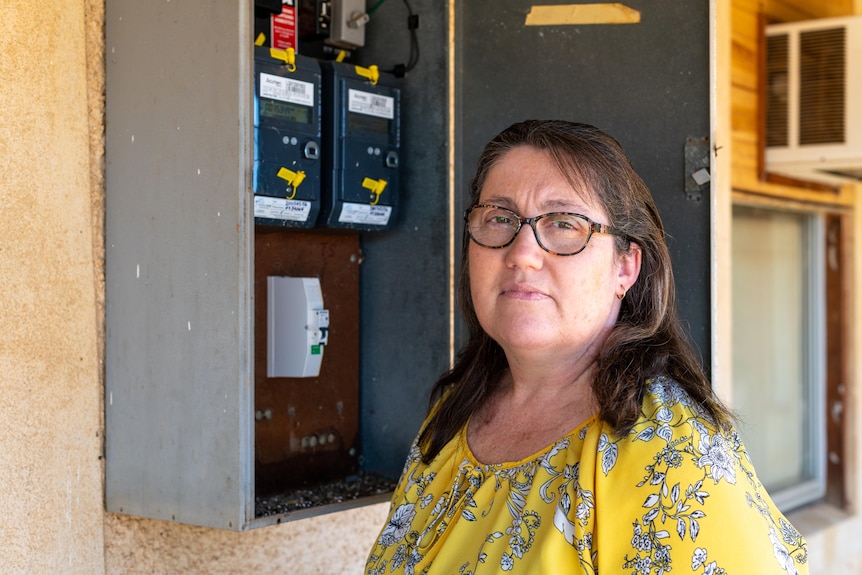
{"points": [[666, 403], [671, 425], [694, 491], [664, 390], [667, 415]]}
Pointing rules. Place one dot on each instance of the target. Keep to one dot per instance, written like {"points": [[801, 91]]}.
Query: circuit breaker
{"points": [[297, 327], [362, 141], [287, 138]]}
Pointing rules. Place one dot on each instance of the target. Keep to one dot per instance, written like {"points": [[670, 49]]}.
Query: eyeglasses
{"points": [[559, 233]]}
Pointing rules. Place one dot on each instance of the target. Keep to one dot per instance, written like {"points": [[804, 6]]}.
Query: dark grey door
{"points": [[645, 83]]}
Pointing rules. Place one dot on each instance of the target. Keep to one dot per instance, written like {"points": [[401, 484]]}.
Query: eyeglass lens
{"points": [[562, 233]]}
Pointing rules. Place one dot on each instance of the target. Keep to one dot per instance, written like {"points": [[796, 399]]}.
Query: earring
{"points": [[620, 296]]}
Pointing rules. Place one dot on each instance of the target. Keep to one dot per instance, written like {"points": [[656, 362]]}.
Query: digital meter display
{"points": [[279, 110], [367, 123]]}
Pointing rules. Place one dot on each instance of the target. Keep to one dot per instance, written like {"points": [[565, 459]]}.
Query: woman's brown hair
{"points": [[647, 340]]}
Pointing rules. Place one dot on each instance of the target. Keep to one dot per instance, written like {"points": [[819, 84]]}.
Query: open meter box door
{"points": [[287, 138]]}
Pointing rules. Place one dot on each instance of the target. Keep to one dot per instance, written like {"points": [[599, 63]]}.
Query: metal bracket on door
{"points": [[697, 174]]}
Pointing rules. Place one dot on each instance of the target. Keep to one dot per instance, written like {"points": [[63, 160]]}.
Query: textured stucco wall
{"points": [[51, 518], [329, 544]]}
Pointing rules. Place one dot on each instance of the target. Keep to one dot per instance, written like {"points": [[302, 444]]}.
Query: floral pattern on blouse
{"points": [[676, 493]]}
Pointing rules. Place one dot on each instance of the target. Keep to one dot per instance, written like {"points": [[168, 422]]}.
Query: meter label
{"points": [[370, 104], [286, 90], [365, 214], [281, 209]]}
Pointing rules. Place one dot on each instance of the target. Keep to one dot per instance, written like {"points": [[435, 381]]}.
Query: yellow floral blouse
{"points": [[674, 494]]}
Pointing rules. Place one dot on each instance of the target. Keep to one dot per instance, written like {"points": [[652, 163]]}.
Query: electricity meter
{"points": [[362, 139], [287, 138]]}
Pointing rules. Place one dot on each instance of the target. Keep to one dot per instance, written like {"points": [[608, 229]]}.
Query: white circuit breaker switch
{"points": [[323, 326], [297, 327]]}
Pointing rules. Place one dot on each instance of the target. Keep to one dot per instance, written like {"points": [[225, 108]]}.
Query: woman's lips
{"points": [[523, 292]]}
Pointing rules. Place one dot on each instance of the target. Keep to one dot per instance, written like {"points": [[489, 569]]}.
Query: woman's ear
{"points": [[630, 266]]}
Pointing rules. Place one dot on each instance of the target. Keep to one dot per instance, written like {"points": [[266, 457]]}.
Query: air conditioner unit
{"points": [[814, 100]]}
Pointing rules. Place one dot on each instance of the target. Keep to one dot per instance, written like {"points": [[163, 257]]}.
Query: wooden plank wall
{"points": [[748, 17]]}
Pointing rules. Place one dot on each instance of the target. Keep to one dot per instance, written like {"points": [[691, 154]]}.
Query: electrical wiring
{"points": [[401, 70], [375, 7]]}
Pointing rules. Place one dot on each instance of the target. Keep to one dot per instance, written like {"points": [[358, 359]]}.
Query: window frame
{"points": [[815, 329]]}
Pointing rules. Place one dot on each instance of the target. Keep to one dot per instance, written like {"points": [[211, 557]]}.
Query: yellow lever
{"points": [[292, 178], [372, 73], [287, 56], [376, 187]]}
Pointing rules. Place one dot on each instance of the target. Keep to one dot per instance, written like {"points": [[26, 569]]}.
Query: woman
{"points": [[576, 432]]}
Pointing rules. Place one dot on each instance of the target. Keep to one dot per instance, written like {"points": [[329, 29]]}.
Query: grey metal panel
{"points": [[179, 427], [647, 84], [404, 306]]}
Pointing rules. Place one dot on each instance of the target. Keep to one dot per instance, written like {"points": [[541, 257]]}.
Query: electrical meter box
{"points": [[287, 138], [362, 140]]}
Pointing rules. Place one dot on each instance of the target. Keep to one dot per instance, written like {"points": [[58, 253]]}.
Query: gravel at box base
{"points": [[348, 489]]}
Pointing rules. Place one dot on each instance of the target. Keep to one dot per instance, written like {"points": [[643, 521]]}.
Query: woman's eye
{"points": [[500, 220], [563, 225]]}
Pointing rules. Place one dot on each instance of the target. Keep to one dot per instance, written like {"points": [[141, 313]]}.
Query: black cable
{"points": [[401, 70]]}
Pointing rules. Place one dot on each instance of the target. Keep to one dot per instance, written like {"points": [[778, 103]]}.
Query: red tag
{"points": [[283, 33]]}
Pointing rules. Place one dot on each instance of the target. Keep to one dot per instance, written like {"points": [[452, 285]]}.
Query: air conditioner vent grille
{"points": [[778, 92], [822, 86]]}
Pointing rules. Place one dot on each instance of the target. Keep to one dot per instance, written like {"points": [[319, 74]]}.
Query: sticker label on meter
{"points": [[365, 214], [281, 209], [286, 90], [371, 104]]}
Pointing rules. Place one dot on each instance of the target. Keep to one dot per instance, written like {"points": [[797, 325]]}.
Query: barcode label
{"points": [[281, 209], [371, 104], [364, 214], [286, 90]]}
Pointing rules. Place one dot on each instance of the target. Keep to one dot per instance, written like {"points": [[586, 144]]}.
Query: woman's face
{"points": [[531, 301]]}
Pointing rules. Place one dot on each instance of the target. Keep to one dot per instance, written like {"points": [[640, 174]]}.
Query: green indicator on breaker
{"points": [[315, 350]]}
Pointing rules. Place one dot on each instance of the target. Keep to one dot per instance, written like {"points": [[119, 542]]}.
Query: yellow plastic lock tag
{"points": [[376, 187], [371, 73], [292, 178], [288, 56]]}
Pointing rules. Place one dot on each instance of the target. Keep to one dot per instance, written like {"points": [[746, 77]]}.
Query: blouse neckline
{"points": [[530, 459]]}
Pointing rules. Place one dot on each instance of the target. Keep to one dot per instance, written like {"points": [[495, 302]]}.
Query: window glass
{"points": [[777, 381]]}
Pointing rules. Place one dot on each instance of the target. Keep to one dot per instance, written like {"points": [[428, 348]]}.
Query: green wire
{"points": [[376, 6]]}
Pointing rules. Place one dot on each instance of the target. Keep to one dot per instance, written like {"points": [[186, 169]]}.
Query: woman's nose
{"points": [[525, 251]]}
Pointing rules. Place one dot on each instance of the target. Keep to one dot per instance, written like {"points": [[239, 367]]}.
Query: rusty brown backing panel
{"points": [[309, 431]]}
